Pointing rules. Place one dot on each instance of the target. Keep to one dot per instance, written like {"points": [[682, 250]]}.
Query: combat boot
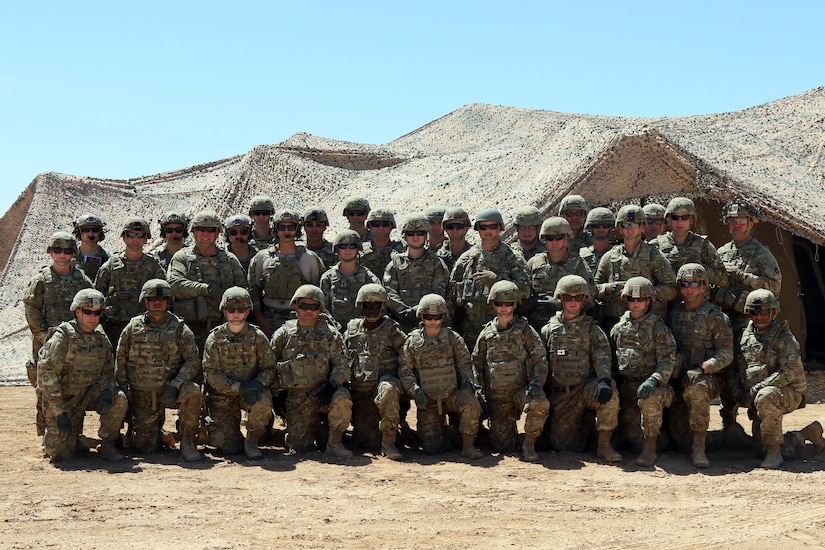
{"points": [[388, 447], [813, 433], [334, 446], [250, 446], [107, 450], [468, 449], [648, 455], [773, 459], [698, 452], [528, 450], [188, 450], [604, 449]]}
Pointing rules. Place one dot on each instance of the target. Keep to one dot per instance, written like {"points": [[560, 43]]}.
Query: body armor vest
{"points": [[282, 275], [238, 352], [435, 365], [85, 359], [415, 277], [344, 292], [151, 356], [568, 351], [506, 356], [694, 337], [370, 354], [58, 293], [315, 344], [636, 347], [125, 282]]}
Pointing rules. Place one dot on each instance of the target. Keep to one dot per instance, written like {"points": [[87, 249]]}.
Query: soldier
{"points": [[600, 223], [681, 245], [374, 343], [315, 223], [436, 370], [654, 221], [237, 232], [646, 356], [47, 302], [435, 215], [771, 377], [173, 230], [545, 269], [456, 223], [158, 366], [312, 370], [632, 258], [356, 210], [580, 373], [413, 273], [75, 372], [276, 273], [121, 277], [573, 208], [478, 269], [380, 248], [88, 229], [261, 209], [238, 369], [527, 221], [199, 275], [341, 283], [511, 368], [704, 343]]}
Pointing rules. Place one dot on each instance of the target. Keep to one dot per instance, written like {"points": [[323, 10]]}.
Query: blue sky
{"points": [[119, 90]]}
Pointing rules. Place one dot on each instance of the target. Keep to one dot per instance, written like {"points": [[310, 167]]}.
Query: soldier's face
{"points": [[314, 230], [456, 230], [488, 231], [763, 319], [286, 230], [654, 227], [740, 227], [306, 315], [235, 314], [631, 231], [415, 241], [61, 258], [347, 254], [575, 218], [156, 304], [173, 232], [380, 228], [205, 235], [90, 234], [692, 294], [437, 229], [555, 243], [87, 318], [637, 306], [601, 231], [527, 233], [136, 241], [572, 305]]}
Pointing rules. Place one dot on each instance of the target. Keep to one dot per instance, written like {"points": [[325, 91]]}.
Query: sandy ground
{"points": [[566, 501]]}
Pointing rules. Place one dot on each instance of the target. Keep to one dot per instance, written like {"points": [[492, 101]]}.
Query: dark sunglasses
{"points": [[690, 284], [314, 224], [572, 297], [454, 226], [487, 226], [234, 232], [601, 226], [636, 299], [657, 221], [308, 306], [432, 316], [498, 303], [416, 233], [754, 312], [348, 245], [380, 224], [156, 298], [94, 312], [553, 237], [61, 250], [90, 230], [371, 305], [236, 309], [262, 212], [207, 229], [135, 234], [356, 212], [680, 217], [629, 225], [168, 229], [286, 227]]}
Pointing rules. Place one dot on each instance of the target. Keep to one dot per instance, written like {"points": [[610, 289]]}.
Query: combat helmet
{"points": [[237, 220], [527, 215], [89, 220], [173, 217], [431, 304], [600, 215], [739, 208], [289, 216], [356, 203], [572, 202], [631, 213], [347, 236], [381, 215], [692, 272], [489, 215], [680, 206], [156, 287], [61, 239], [504, 291], [435, 213], [556, 226], [136, 224], [760, 300], [654, 211], [316, 214], [206, 218], [261, 202], [456, 214], [88, 297], [638, 287], [308, 291], [572, 285], [236, 296], [371, 292], [416, 222]]}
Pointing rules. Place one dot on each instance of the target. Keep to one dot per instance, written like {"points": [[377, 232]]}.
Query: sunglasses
{"points": [[286, 226], [135, 234], [156, 298], [176, 229], [487, 226], [690, 284], [629, 225], [314, 224], [356, 212], [601, 226], [234, 232], [572, 297], [372, 305], [573, 214], [553, 237], [680, 217], [61, 250], [755, 312], [498, 303], [309, 306], [432, 316], [657, 221], [416, 233], [94, 312], [90, 230], [207, 229], [380, 224], [236, 309], [348, 245], [454, 226], [636, 299], [262, 212]]}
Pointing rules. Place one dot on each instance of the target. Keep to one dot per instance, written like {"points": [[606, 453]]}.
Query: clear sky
{"points": [[127, 89]]}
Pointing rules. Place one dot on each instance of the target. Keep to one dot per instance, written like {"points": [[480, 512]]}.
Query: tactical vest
{"points": [[214, 270], [370, 354], [238, 354], [623, 268], [506, 355], [693, 334], [125, 282], [58, 293], [679, 255], [315, 344], [482, 261], [85, 359], [435, 366], [282, 275], [154, 354], [344, 292], [733, 296], [760, 356], [568, 351], [415, 277], [636, 347]]}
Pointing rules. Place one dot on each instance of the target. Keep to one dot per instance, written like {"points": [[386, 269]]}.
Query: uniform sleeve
{"points": [[722, 341], [103, 278], [178, 277], [717, 274], [33, 306], [791, 372], [394, 301], [406, 367], [325, 284], [310, 265], [602, 277], [190, 366], [664, 281], [769, 277], [254, 279], [454, 287], [479, 359], [124, 344], [517, 273], [338, 360], [107, 377], [600, 352], [238, 273]]}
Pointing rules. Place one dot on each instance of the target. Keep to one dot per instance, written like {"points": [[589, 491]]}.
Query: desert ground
{"points": [[568, 500]]}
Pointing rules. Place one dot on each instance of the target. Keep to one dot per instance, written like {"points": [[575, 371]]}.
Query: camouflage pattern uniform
{"points": [[408, 279], [446, 256], [376, 259], [544, 275], [340, 292], [584, 238], [697, 249], [163, 254]]}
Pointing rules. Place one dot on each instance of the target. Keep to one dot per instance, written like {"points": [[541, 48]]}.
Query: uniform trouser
{"points": [[506, 407], [678, 419], [771, 404], [59, 447], [303, 417], [431, 422], [225, 412], [148, 415], [567, 405], [697, 396], [31, 374], [729, 409], [375, 411], [642, 418]]}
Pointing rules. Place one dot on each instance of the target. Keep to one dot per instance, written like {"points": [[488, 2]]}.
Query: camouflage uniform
{"points": [[445, 254], [408, 279], [579, 356], [73, 369], [151, 356], [164, 257], [543, 276], [582, 240], [340, 292], [526, 254], [697, 249], [376, 259], [511, 367], [308, 358], [326, 252], [230, 359]]}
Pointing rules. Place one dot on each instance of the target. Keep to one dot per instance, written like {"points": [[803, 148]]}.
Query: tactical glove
{"points": [[604, 391], [169, 398], [421, 400], [755, 389], [104, 402], [64, 425], [485, 278], [252, 391], [692, 376], [647, 388], [324, 395], [279, 403]]}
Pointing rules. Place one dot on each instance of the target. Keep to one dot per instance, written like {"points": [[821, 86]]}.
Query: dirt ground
{"points": [[567, 500]]}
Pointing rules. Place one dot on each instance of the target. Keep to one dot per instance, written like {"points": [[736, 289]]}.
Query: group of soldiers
{"points": [[624, 342]]}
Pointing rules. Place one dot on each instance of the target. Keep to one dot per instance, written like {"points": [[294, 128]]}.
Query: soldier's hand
{"points": [[104, 402], [734, 272], [421, 399], [485, 278], [755, 389], [604, 391], [279, 403], [252, 391], [692, 376], [214, 291], [647, 388], [64, 425], [169, 397], [324, 395]]}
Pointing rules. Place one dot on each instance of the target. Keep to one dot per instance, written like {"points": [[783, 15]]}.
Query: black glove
{"points": [[741, 396], [421, 399], [252, 391], [647, 388], [692, 376], [104, 402], [169, 398], [324, 395], [604, 391], [467, 385], [64, 425], [408, 315], [532, 390], [279, 403], [485, 407], [755, 389]]}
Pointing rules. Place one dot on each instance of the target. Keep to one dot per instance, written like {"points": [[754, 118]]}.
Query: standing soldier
{"points": [[261, 209], [456, 223], [435, 215], [600, 223], [573, 208], [315, 223], [341, 282], [374, 343], [313, 370], [276, 273], [47, 301], [511, 367], [121, 277], [158, 366], [75, 371], [238, 370], [356, 210], [199, 275], [481, 267], [436, 370], [646, 356], [173, 231], [527, 222], [380, 248], [413, 273], [654, 221], [237, 231], [88, 229], [580, 373], [704, 343]]}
